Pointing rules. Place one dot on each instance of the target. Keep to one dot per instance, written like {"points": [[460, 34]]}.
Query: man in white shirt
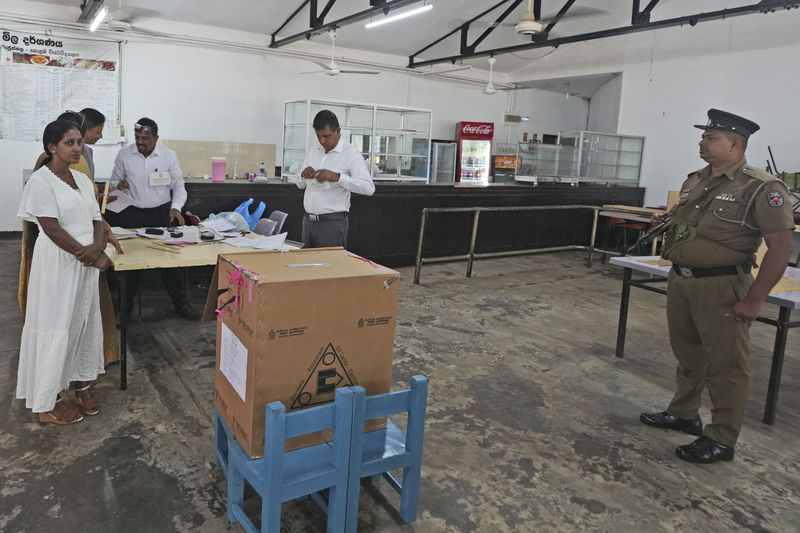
{"points": [[331, 171], [150, 174]]}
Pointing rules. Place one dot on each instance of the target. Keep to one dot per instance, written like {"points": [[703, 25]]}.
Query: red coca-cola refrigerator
{"points": [[473, 161]]}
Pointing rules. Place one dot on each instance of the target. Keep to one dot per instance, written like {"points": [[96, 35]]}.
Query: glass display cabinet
{"points": [[540, 163], [395, 141], [604, 157]]}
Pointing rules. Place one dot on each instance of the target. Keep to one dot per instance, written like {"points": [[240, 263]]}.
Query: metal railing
{"points": [[471, 255]]}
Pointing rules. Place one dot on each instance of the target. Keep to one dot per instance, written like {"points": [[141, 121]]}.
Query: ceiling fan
{"points": [[490, 88], [332, 69], [121, 20], [529, 24]]}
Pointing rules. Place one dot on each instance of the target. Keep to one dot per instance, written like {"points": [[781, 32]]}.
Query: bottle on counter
{"points": [[262, 169]]}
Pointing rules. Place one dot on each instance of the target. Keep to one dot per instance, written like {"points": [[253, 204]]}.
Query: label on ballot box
{"points": [[295, 335]]}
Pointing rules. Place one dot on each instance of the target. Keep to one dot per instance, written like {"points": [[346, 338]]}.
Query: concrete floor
{"points": [[532, 422]]}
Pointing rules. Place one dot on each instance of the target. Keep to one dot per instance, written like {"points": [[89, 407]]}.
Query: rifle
{"points": [[774, 166], [652, 233]]}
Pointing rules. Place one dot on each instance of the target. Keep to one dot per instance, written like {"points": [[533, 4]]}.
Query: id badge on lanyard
{"points": [[159, 179]]}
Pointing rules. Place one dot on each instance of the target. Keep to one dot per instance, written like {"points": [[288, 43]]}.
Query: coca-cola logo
{"points": [[477, 129]]}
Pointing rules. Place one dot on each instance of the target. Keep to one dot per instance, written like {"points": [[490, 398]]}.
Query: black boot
{"points": [[692, 426], [705, 450]]}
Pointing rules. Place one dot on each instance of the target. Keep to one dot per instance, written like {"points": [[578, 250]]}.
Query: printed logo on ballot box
{"points": [[328, 371]]}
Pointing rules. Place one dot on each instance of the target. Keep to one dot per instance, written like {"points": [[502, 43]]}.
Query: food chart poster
{"points": [[41, 76]]}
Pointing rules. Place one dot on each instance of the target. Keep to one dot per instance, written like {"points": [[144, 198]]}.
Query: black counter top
{"points": [[385, 226]]}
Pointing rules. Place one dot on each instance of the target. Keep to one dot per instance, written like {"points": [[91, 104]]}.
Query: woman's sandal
{"points": [[88, 405], [69, 416]]}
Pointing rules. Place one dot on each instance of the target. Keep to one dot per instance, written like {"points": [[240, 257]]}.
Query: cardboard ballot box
{"points": [[292, 327]]}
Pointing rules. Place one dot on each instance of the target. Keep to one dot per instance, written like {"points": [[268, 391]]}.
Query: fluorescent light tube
{"points": [[98, 18], [399, 16]]}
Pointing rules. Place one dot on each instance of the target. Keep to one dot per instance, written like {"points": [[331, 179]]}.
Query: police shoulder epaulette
{"points": [[694, 172], [757, 173]]}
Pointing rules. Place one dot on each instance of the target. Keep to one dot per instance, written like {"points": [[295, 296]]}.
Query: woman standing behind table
{"points": [[62, 337], [91, 123], [94, 121]]}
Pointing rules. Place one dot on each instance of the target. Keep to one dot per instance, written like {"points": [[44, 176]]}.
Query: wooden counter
{"points": [[385, 226]]}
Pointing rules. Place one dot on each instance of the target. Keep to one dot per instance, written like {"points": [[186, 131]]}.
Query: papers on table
{"points": [[219, 225], [121, 202], [787, 284], [273, 242], [190, 235], [122, 233], [240, 242]]}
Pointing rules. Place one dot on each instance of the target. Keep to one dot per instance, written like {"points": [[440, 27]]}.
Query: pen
{"points": [[154, 247]]}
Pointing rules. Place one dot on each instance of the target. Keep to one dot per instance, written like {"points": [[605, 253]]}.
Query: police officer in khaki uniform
{"points": [[711, 238]]}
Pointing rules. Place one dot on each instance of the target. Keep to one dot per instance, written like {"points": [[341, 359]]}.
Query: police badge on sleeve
{"points": [[775, 198]]}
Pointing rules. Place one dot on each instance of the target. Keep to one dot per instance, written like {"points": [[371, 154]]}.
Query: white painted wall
{"points": [[670, 78], [551, 112], [662, 99], [209, 94], [604, 107], [745, 65], [201, 94]]}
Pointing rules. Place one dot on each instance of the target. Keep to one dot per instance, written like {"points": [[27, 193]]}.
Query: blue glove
{"points": [[244, 210]]}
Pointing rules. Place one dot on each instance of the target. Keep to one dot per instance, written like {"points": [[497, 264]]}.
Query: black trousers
{"points": [[329, 230], [174, 279], [136, 217]]}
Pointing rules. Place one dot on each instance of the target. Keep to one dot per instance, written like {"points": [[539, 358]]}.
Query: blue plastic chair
{"points": [[282, 476], [265, 226], [222, 442], [400, 449], [280, 218]]}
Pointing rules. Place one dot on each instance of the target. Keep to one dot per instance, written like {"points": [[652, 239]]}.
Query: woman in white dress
{"points": [[62, 340]]}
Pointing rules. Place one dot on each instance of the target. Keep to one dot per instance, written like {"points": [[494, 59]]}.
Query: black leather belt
{"points": [[697, 272], [156, 208], [341, 215]]}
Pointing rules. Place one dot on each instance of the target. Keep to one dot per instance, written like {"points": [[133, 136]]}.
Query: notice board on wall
{"points": [[41, 76]]}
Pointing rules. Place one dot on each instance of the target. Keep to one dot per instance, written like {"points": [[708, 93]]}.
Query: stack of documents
{"points": [[190, 235], [122, 233], [221, 227], [273, 242]]}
